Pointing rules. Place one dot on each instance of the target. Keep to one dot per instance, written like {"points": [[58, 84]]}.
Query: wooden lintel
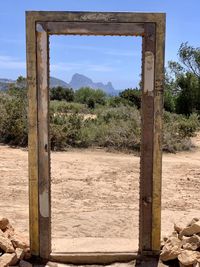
{"points": [[79, 16], [94, 28]]}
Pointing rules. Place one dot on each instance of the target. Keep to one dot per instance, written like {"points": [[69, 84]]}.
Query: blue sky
{"points": [[115, 59]]}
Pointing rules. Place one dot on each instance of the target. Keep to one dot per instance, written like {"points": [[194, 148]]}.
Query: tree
{"points": [[21, 82], [187, 100], [85, 94], [169, 93], [60, 93], [186, 79], [190, 58], [132, 95]]}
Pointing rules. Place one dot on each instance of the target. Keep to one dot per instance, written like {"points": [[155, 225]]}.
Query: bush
{"points": [[116, 101], [118, 128], [65, 107], [60, 93], [177, 131], [111, 127], [133, 96], [13, 117], [65, 130], [84, 94]]}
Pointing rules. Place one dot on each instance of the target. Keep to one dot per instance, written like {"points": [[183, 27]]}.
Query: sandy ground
{"points": [[95, 196]]}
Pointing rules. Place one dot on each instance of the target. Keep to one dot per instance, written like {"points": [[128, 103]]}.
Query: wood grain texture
{"points": [[94, 28], [32, 136], [43, 144], [147, 139], [158, 118], [94, 258], [129, 17]]}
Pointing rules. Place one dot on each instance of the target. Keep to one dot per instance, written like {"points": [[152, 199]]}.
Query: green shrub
{"points": [[118, 128], [60, 93], [85, 93], [65, 130], [177, 131], [66, 107], [112, 127], [13, 117], [133, 96]]}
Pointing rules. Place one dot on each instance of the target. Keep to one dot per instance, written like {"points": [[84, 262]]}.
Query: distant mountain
{"points": [[4, 84], [79, 80], [54, 82], [7, 81]]}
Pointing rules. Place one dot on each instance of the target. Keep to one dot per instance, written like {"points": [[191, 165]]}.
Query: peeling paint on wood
{"points": [[43, 142], [148, 72], [44, 209]]}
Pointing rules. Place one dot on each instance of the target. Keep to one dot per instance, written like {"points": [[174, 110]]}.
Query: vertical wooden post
{"points": [[33, 135], [151, 143], [158, 121], [43, 145], [147, 139]]}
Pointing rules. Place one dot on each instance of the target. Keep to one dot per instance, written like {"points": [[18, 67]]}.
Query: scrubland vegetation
{"points": [[87, 117]]}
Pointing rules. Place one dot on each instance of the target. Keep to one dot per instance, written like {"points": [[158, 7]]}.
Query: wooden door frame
{"points": [[151, 27]]}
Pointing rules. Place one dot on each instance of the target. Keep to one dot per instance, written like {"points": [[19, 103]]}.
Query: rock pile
{"points": [[183, 244], [13, 247]]}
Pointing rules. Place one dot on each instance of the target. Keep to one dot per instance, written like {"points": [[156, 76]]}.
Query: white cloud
{"points": [[7, 62]]}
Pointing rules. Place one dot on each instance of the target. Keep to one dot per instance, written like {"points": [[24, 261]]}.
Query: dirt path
{"points": [[95, 194]]}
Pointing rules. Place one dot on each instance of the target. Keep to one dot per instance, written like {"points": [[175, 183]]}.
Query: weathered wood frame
{"points": [[151, 27]]}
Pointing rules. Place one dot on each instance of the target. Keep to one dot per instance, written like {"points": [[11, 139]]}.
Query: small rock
{"points": [[171, 249], [191, 243], [4, 223], [23, 263], [194, 220], [189, 257], [8, 259], [190, 230], [20, 253], [174, 234], [178, 227], [9, 231], [5, 243], [19, 241]]}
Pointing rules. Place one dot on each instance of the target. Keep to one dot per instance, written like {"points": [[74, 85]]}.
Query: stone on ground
{"points": [[4, 223], [190, 230], [5, 243], [189, 257], [8, 259], [171, 249], [191, 243]]}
